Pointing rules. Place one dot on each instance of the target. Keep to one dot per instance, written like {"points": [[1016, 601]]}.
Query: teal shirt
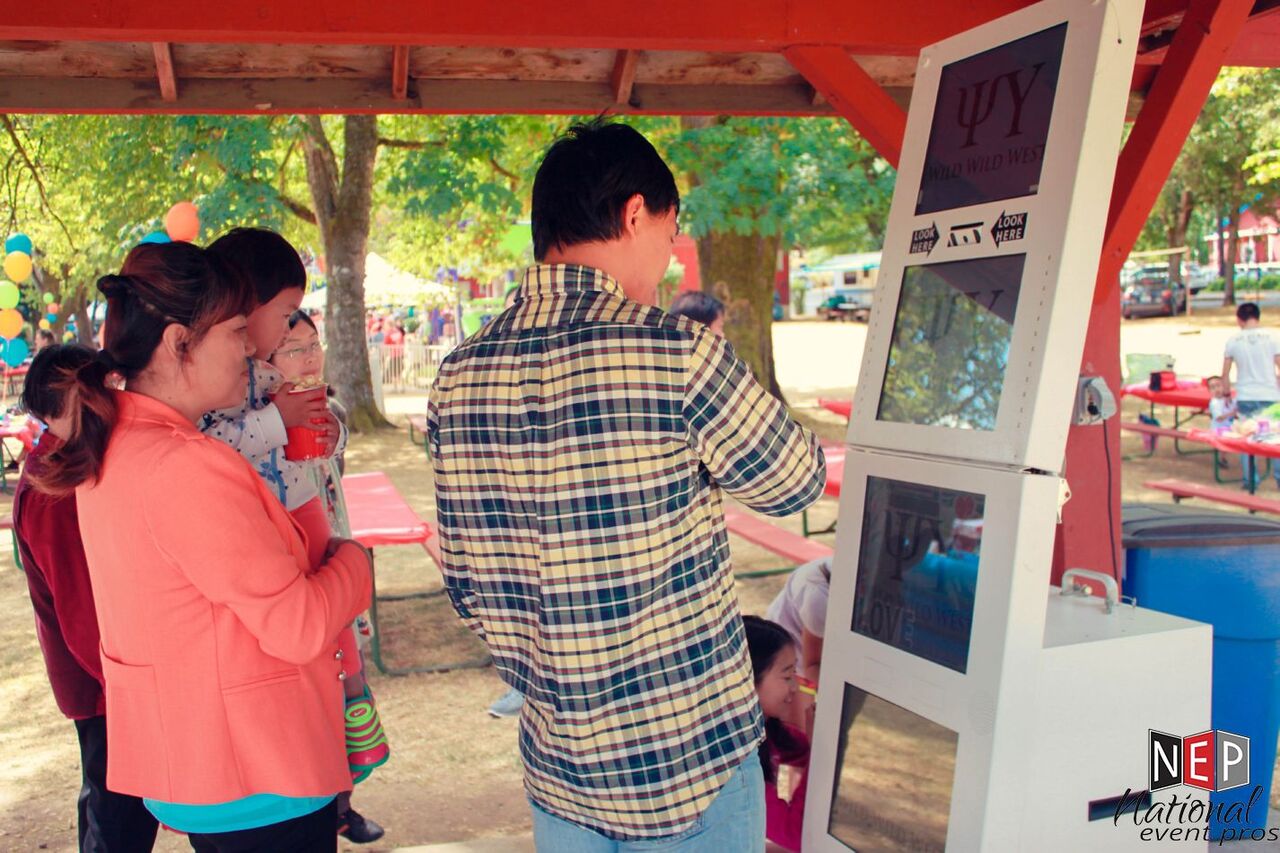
{"points": [[248, 813]]}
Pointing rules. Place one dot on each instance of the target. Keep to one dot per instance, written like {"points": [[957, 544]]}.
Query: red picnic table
{"points": [[843, 408], [379, 516], [1229, 442], [1190, 394], [835, 479]]}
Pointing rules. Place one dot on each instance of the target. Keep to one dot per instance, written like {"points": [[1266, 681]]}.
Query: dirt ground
{"points": [[454, 772]]}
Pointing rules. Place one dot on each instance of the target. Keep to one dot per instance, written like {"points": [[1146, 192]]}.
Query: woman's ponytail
{"points": [[71, 380]]}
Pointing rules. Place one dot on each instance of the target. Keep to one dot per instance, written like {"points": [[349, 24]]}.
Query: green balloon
{"points": [[9, 295], [47, 298]]}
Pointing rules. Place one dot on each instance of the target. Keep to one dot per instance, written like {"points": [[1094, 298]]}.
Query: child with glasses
{"points": [[258, 429], [300, 359]]}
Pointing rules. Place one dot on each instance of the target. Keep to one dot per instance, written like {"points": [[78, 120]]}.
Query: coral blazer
{"points": [[218, 637]]}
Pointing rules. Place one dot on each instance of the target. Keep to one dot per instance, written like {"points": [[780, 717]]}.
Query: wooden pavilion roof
{"points": [[487, 56]]}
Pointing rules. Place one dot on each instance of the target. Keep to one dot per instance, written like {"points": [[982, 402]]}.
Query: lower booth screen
{"points": [[918, 569], [894, 772]]}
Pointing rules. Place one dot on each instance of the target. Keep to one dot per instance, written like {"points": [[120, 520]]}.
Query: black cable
{"points": [[1111, 516]]}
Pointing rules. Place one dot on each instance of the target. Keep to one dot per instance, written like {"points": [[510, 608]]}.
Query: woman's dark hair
{"points": [[696, 305], [266, 259], [160, 284], [46, 335], [43, 393], [584, 182], [764, 640], [303, 317]]}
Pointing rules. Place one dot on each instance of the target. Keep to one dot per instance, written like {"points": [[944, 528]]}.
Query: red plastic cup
{"points": [[304, 442]]}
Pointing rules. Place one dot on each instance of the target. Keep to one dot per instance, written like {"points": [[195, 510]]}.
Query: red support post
{"points": [[836, 76], [1089, 536]]}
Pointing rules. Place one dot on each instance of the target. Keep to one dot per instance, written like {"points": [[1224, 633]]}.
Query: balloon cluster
{"points": [[17, 266], [181, 225]]}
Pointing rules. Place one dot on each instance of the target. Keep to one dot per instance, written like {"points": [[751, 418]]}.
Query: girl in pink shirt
{"points": [[785, 749]]}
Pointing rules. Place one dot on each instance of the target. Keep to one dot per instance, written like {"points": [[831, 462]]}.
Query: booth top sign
{"points": [[538, 56]]}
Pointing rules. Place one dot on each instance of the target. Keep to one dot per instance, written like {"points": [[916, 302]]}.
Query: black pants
{"points": [[313, 833], [109, 822]]}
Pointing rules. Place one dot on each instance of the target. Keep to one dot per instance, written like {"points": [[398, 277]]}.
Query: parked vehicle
{"points": [[1153, 297], [847, 303]]}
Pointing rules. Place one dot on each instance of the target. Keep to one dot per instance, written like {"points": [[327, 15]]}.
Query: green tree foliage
{"points": [[760, 186]]}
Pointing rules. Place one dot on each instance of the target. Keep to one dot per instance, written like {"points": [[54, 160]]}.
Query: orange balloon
{"points": [[182, 222], [10, 323]]}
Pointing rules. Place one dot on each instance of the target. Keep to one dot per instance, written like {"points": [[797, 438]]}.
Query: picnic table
{"points": [[835, 480], [14, 377], [1192, 394], [380, 516], [843, 408], [1229, 442], [24, 430]]}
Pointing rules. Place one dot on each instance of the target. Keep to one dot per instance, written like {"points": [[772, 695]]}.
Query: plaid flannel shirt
{"points": [[579, 443]]}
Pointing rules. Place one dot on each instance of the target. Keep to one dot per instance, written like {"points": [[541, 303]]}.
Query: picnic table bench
{"points": [[419, 423], [759, 531], [380, 516], [1182, 489]]}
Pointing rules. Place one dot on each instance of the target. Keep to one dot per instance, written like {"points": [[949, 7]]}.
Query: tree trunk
{"points": [[84, 321], [1177, 232], [342, 205], [1232, 238], [740, 271]]}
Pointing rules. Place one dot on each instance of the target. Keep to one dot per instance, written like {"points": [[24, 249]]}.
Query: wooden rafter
{"points": [[855, 95], [400, 72], [623, 77], [164, 70]]}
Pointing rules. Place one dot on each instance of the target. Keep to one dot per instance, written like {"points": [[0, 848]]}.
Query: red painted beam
{"points": [[855, 95], [713, 25], [1090, 530]]}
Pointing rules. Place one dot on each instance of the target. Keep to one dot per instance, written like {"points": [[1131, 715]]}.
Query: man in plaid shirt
{"points": [[580, 443]]}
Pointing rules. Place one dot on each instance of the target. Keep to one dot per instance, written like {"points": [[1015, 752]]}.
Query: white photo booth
{"points": [[960, 706]]}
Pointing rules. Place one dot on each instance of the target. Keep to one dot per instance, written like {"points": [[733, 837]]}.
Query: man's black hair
{"points": [[266, 259], [1248, 311], [696, 305], [584, 182]]}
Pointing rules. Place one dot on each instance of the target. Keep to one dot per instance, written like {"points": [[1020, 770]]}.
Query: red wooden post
{"points": [[1089, 536]]}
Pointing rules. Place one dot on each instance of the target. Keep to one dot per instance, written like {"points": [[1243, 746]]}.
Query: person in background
{"points": [[785, 747], [218, 635], [1222, 411], [44, 338], [1256, 357], [48, 536], [700, 307], [801, 608]]}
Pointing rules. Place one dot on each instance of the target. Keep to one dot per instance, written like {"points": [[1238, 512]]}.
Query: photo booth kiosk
{"points": [[965, 704]]}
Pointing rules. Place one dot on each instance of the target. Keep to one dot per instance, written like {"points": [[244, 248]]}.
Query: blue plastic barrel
{"points": [[1222, 568]]}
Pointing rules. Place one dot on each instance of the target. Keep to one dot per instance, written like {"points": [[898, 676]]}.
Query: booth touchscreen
{"points": [[918, 569], [950, 347]]}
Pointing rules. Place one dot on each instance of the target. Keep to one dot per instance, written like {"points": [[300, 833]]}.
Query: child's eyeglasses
{"points": [[300, 352]]}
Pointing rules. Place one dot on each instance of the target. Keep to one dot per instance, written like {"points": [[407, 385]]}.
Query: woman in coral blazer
{"points": [[223, 674]]}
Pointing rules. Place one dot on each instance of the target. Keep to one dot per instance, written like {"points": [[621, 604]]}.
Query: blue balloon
{"points": [[16, 352], [18, 243], [51, 317], [156, 237]]}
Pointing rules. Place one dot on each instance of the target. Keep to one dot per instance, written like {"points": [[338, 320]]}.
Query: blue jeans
{"points": [[1248, 464], [733, 822]]}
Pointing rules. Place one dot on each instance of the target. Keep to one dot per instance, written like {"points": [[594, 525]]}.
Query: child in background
{"points": [[257, 429], [773, 662], [801, 608], [1222, 409]]}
